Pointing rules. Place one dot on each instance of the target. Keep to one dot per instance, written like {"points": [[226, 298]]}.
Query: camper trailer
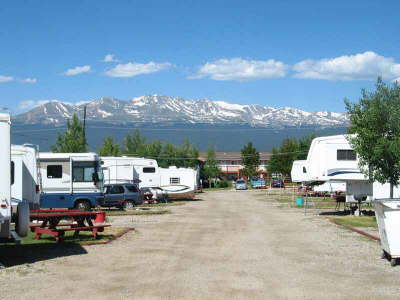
{"points": [[26, 183], [71, 180], [299, 171], [178, 182], [299, 174], [332, 158], [7, 178], [130, 169]]}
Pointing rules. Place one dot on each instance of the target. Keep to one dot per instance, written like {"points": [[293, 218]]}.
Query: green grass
{"points": [[353, 221], [112, 213], [217, 189], [83, 238]]}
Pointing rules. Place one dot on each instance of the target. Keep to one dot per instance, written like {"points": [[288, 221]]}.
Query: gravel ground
{"points": [[231, 245]]}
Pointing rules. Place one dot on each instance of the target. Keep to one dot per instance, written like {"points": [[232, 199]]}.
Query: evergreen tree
{"points": [[250, 160], [304, 144], [375, 123], [135, 145], [288, 152], [211, 169], [72, 140], [109, 148], [274, 162]]}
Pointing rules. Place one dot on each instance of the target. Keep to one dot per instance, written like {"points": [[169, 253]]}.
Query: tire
{"points": [[129, 205], [393, 262], [22, 222], [83, 205]]}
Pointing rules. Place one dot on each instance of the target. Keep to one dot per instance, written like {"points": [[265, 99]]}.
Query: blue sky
{"points": [[305, 54]]}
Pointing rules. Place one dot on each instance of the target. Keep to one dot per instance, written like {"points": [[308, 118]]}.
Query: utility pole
{"points": [[84, 121]]}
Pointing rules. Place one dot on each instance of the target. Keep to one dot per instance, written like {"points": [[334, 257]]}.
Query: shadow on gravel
{"points": [[12, 255], [335, 213], [185, 200], [346, 213]]}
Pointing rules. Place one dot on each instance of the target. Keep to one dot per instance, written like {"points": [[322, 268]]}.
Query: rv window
{"points": [[149, 170], [346, 155], [12, 172], [174, 180], [304, 170], [83, 172], [54, 171]]}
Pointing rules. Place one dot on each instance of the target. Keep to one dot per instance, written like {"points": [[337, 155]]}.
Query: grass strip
{"points": [[354, 221], [113, 213]]}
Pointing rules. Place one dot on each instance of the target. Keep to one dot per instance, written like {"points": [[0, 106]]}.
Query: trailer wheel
{"points": [[83, 205], [393, 262], [129, 205]]}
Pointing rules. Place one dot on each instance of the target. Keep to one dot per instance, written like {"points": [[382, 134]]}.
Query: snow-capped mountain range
{"points": [[165, 109]]}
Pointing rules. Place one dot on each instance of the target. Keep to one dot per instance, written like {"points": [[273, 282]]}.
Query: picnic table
{"points": [[78, 220]]}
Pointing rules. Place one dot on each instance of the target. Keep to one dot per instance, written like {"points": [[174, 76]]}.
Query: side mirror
{"points": [[95, 178]]}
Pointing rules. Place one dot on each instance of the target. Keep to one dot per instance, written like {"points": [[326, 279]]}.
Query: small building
{"points": [[230, 163]]}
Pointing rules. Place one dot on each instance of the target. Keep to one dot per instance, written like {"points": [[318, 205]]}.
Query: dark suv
{"points": [[125, 195], [277, 182]]}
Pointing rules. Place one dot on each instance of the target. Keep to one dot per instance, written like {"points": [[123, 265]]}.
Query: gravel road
{"points": [[230, 245]]}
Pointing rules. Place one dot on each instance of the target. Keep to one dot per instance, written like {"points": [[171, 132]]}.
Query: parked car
{"points": [[241, 184], [125, 196], [278, 182]]}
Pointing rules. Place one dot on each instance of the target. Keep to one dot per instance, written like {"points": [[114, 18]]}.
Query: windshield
{"points": [[240, 181]]}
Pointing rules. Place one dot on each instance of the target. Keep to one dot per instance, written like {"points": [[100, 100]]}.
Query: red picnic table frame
{"points": [[51, 222]]}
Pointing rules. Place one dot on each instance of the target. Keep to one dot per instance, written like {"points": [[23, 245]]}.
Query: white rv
{"points": [[71, 180], [22, 213], [179, 182], [332, 158], [299, 174], [24, 167], [130, 169], [299, 171]]}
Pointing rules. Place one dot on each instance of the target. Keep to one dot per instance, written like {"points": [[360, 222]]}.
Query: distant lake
{"points": [[221, 137]]}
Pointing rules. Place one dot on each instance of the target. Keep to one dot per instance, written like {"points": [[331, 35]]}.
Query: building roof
{"points": [[232, 156]]}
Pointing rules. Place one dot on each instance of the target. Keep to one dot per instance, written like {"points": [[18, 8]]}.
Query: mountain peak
{"points": [[161, 108]]}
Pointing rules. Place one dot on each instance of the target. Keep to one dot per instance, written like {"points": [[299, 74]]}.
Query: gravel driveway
{"points": [[231, 245]]}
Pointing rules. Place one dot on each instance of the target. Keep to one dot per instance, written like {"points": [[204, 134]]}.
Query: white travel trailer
{"points": [[5, 174], [70, 180], [24, 167], [22, 213], [130, 169], [178, 182], [299, 171], [332, 158], [330, 187], [299, 174]]}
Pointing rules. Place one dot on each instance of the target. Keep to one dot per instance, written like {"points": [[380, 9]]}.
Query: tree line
{"points": [[73, 140], [291, 149]]}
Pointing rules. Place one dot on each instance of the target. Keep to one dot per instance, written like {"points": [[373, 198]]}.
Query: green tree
{"points": [[288, 152], [274, 162], [109, 148], [135, 144], [304, 144], [250, 160], [153, 149], [375, 129], [211, 169], [72, 140]]}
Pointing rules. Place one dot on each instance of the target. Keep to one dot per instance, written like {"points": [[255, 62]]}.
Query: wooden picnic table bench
{"points": [[78, 221]]}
